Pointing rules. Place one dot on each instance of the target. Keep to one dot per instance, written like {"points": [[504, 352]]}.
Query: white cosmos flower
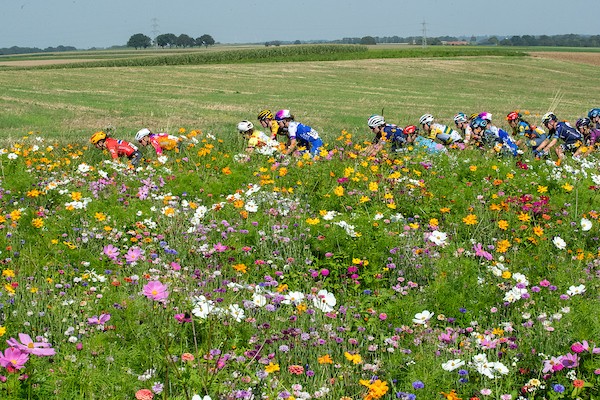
{"points": [[586, 224], [203, 307], [293, 298], [251, 206], [12, 156], [422, 317], [438, 238], [259, 300], [163, 159], [559, 243], [236, 312], [574, 290], [324, 301], [451, 365]]}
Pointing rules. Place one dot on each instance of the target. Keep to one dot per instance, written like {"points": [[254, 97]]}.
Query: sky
{"points": [[86, 24]]}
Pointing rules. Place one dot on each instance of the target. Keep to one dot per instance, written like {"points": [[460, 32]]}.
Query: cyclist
{"points": [[256, 139], [462, 123], [529, 135], [594, 116], [116, 148], [267, 121], [487, 136], [160, 141], [591, 135], [421, 143], [572, 139], [384, 133], [298, 134], [442, 133]]}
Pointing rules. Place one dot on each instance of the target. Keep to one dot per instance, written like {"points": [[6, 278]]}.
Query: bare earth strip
{"points": [[34, 63], [584, 58]]}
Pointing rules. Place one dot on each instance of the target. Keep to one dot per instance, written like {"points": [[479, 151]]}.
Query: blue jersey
{"points": [[391, 133], [566, 133], [306, 136], [499, 140], [523, 128]]}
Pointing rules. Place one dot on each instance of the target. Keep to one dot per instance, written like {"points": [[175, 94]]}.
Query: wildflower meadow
{"points": [[215, 274]]}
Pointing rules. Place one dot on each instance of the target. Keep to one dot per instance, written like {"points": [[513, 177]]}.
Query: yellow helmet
{"points": [[264, 114], [98, 136]]}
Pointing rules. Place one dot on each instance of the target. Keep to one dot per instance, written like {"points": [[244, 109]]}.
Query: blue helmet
{"points": [[478, 123], [594, 112], [583, 122]]}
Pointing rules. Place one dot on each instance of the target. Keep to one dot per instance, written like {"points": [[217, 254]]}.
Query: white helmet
{"points": [[375, 121], [142, 133], [426, 119], [245, 126]]}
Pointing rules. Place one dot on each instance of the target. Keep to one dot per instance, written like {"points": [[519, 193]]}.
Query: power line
{"points": [[155, 30], [424, 37]]}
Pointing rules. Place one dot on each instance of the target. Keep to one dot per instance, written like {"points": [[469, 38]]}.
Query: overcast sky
{"points": [[103, 23]]}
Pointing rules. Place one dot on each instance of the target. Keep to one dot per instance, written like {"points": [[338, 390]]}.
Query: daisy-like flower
{"points": [[438, 238], [324, 301], [27, 345], [422, 317], [155, 290], [559, 243], [293, 298], [451, 365], [575, 290], [586, 224]]}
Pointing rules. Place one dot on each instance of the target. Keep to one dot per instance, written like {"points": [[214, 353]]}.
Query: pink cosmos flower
{"points": [[101, 320], [110, 251], [27, 345], [479, 252], [155, 290], [570, 360], [13, 358], [219, 247], [133, 254], [553, 364], [580, 347]]}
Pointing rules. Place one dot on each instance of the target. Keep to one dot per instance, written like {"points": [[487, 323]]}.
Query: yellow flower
{"points": [[9, 273], [37, 222], [269, 369], [506, 274], [339, 191], [450, 396], [15, 215], [414, 225], [283, 171], [364, 199], [326, 359], [498, 332], [373, 186], [100, 216], [542, 189], [524, 217], [391, 205], [473, 168], [503, 224], [445, 210], [470, 219], [240, 268], [538, 231], [355, 358], [2, 330], [33, 193], [282, 288], [76, 196], [503, 246], [312, 221], [434, 222], [510, 176], [567, 186]]}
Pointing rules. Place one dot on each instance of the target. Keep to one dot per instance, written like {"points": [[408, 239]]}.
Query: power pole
{"points": [[424, 37], [155, 30]]}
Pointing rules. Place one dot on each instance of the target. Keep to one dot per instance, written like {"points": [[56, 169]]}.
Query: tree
{"points": [[184, 40], [138, 41], [368, 40], [166, 39], [205, 40]]}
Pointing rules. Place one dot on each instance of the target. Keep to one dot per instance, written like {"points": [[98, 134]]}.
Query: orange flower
{"points": [[578, 383], [451, 396], [470, 219], [326, 359], [226, 171]]}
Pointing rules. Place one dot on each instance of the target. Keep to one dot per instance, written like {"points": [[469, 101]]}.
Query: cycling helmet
{"points": [[473, 116], [583, 122], [282, 114], [478, 123], [375, 121], [460, 117], [245, 126], [142, 133], [485, 115], [513, 116], [264, 114], [426, 119], [98, 136], [594, 112], [548, 117], [409, 130]]}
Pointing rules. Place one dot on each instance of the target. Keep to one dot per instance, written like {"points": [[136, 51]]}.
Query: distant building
{"points": [[455, 43]]}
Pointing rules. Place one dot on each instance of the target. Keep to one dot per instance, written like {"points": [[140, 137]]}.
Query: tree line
{"points": [[568, 40], [27, 50], [139, 41]]}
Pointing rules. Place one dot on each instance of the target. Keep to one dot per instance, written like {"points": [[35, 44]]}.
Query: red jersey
{"points": [[118, 148]]}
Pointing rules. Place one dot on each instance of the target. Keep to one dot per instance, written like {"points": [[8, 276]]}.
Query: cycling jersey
{"points": [[499, 140], [118, 148], [163, 141], [306, 136], [444, 134], [391, 133], [566, 133], [258, 139]]}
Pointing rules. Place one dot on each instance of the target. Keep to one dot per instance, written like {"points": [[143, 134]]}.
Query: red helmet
{"points": [[409, 130], [513, 116]]}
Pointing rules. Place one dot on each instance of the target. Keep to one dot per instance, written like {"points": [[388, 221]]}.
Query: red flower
{"points": [[578, 383]]}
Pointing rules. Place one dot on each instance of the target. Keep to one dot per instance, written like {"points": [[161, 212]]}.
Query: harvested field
{"points": [[583, 58]]}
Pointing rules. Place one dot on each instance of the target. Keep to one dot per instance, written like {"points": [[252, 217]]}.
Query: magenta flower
{"points": [[553, 364], [154, 290], [580, 347], [219, 247], [110, 251], [479, 252], [133, 254], [570, 360], [28, 346], [101, 320], [13, 358]]}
